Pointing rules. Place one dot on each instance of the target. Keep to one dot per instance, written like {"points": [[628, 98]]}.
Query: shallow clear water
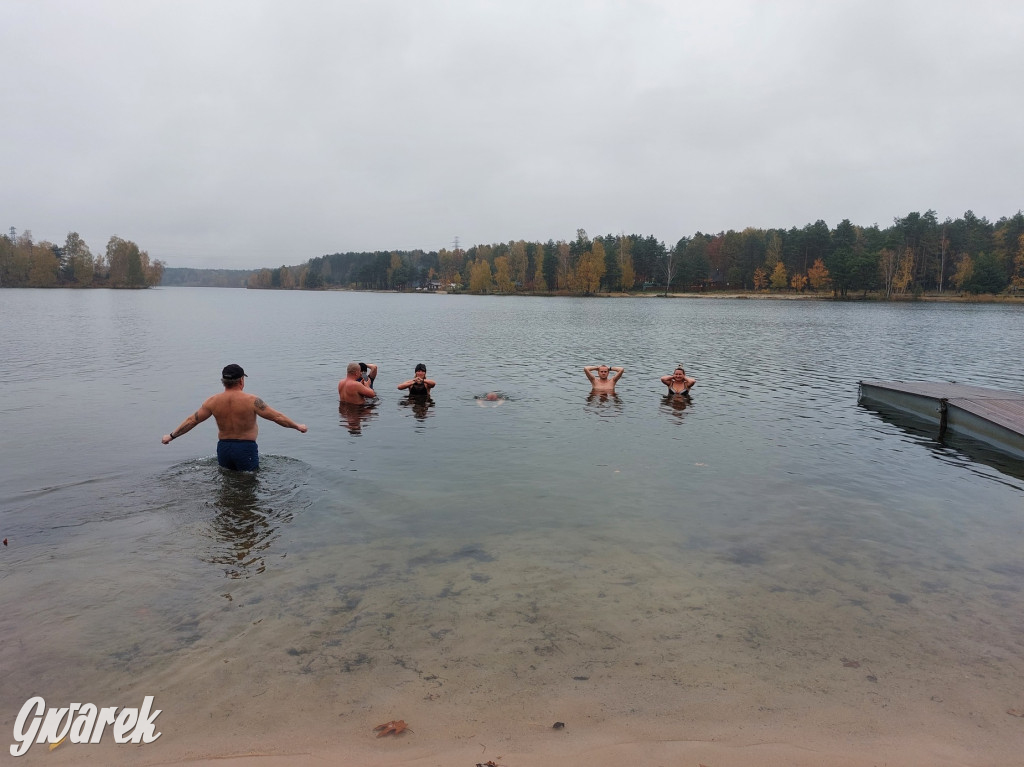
{"points": [[756, 533]]}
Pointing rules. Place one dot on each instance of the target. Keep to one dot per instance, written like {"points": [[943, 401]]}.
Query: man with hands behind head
{"points": [[603, 383]]}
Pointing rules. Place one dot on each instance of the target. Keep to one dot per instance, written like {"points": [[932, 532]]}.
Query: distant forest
{"points": [[917, 254], [28, 264], [206, 278]]}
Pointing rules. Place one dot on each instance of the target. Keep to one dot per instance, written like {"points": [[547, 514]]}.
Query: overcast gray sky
{"points": [[251, 133]]}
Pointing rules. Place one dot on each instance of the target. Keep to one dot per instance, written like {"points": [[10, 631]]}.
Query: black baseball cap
{"points": [[420, 367], [233, 373]]}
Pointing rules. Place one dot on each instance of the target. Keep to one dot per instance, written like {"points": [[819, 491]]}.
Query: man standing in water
{"points": [[601, 383], [235, 413], [351, 388]]}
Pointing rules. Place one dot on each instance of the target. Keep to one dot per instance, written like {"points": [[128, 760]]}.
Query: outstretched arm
{"points": [[189, 423], [266, 411]]}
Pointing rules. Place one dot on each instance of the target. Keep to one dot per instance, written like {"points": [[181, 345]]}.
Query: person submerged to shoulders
{"points": [[235, 412], [351, 388], [491, 399], [678, 382], [603, 381], [419, 385]]}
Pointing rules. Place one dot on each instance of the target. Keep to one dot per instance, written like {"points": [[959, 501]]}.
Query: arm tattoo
{"points": [[259, 404], [195, 417]]}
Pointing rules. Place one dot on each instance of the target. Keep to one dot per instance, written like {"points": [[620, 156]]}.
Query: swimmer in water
{"points": [[678, 382], [419, 385], [491, 399], [602, 382], [351, 389]]}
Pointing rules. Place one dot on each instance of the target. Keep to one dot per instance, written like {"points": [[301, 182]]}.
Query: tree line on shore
{"points": [[28, 264], [917, 253]]}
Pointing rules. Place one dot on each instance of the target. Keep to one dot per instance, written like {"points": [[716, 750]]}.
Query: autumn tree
{"points": [[760, 278], [818, 275], [539, 283], [517, 263], [798, 282], [43, 266], [964, 271], [779, 278], [480, 276], [78, 261], [586, 276], [503, 275], [398, 272], [888, 263], [904, 272], [564, 265]]}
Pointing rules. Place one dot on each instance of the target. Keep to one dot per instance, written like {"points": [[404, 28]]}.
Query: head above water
{"points": [[602, 371], [421, 368], [232, 375], [362, 367], [352, 369]]}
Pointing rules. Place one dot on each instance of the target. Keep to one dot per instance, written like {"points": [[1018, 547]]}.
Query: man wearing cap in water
{"points": [[235, 413]]}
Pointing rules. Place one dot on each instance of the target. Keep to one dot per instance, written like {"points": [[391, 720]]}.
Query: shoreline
{"points": [[873, 298]]}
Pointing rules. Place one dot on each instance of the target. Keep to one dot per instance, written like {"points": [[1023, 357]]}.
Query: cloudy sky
{"points": [[250, 133]]}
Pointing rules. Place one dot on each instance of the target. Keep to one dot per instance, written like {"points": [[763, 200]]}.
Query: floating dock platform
{"points": [[991, 416]]}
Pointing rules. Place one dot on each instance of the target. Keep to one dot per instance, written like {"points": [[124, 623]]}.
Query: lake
{"points": [[765, 560]]}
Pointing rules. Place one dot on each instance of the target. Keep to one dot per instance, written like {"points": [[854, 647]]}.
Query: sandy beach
{"points": [[690, 662]]}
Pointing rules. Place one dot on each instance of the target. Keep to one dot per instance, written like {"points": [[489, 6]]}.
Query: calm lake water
{"points": [[769, 541]]}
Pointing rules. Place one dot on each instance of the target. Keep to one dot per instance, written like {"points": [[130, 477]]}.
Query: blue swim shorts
{"points": [[238, 454]]}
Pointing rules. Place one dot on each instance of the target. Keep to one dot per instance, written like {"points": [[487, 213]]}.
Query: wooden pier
{"points": [[988, 415]]}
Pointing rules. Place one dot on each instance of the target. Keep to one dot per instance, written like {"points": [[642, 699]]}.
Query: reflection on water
{"points": [[604, 404], [675, 404], [353, 416], [953, 449], [419, 404], [235, 517], [244, 526]]}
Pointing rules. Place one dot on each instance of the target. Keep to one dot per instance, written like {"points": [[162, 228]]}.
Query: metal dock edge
{"points": [[991, 416]]}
